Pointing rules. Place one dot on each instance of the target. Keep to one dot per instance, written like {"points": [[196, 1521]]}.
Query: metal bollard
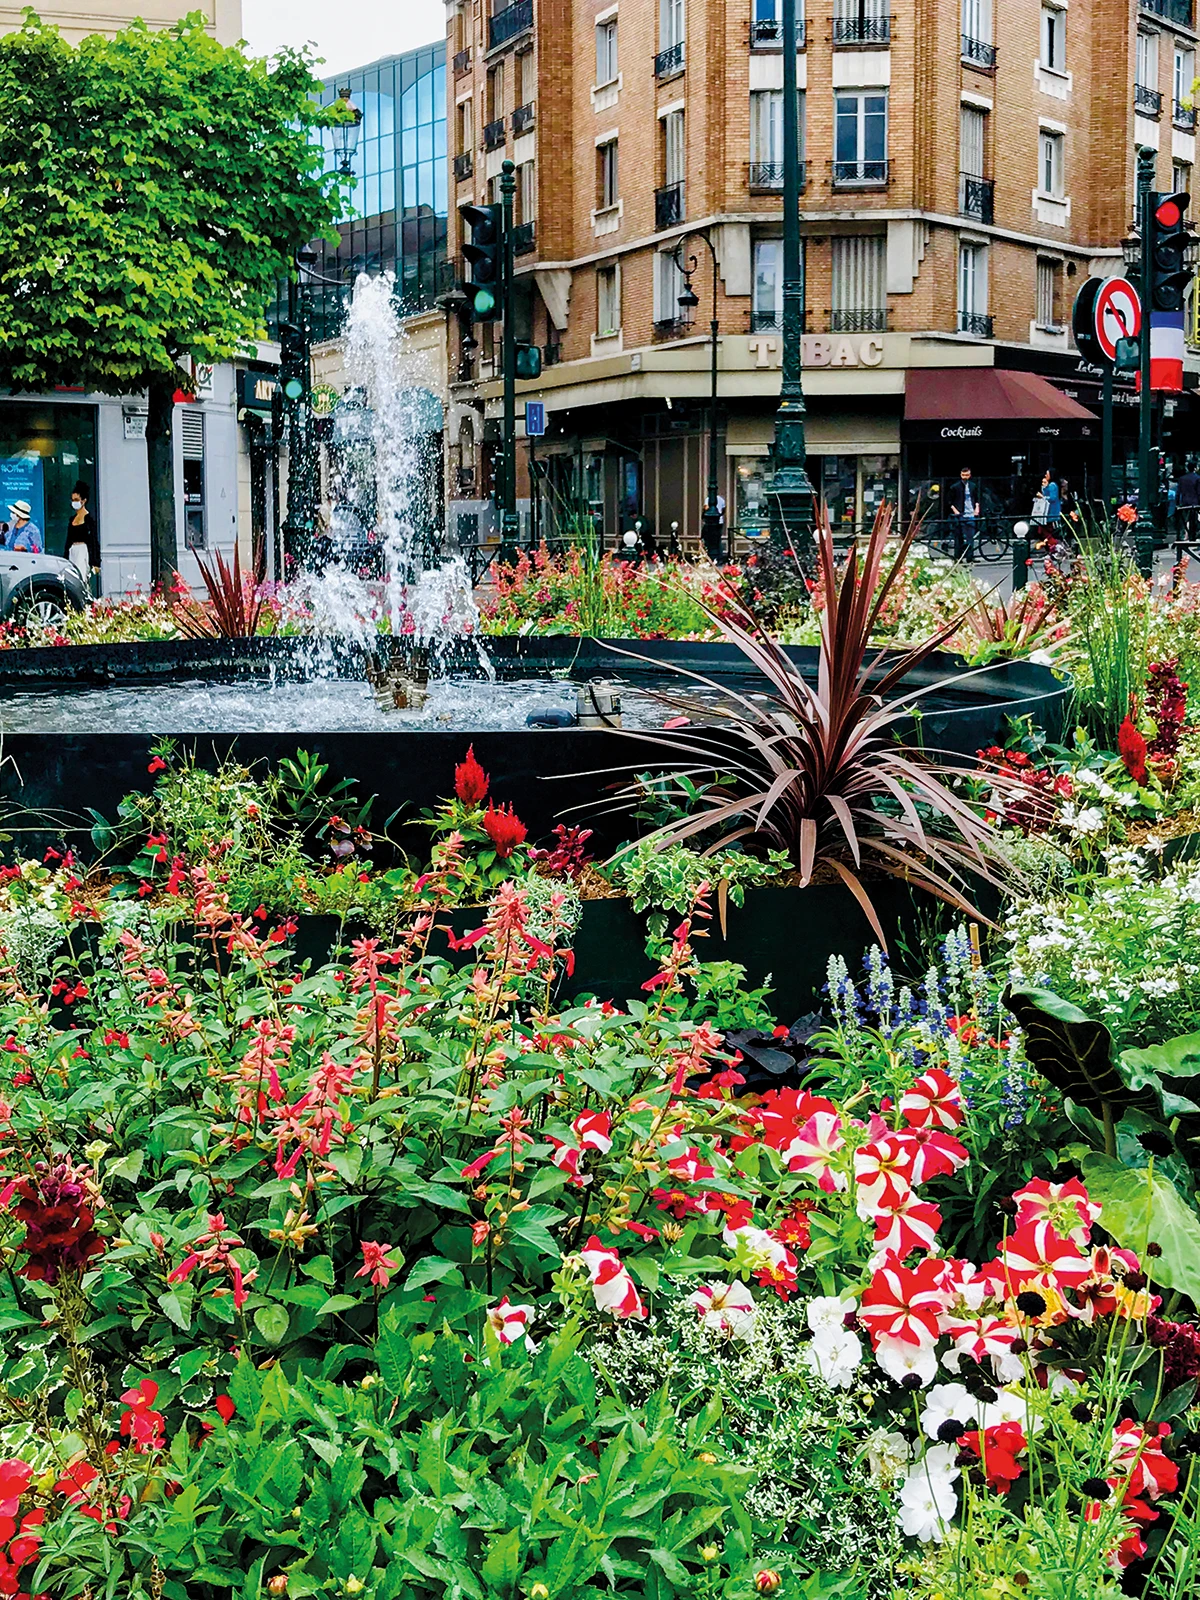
{"points": [[1020, 555]]}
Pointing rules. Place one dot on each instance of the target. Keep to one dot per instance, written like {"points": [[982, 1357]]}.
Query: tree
{"points": [[154, 188]]}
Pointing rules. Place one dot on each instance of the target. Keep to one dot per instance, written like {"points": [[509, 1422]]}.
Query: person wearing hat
{"points": [[23, 533]]}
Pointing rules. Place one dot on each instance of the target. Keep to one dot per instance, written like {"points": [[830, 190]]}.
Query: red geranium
{"points": [[55, 1207]]}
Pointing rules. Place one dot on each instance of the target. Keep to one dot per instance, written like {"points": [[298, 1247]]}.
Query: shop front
{"points": [[46, 448]]}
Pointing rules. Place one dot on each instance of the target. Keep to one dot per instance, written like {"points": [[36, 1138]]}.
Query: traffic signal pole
{"points": [[508, 486], [1143, 538]]}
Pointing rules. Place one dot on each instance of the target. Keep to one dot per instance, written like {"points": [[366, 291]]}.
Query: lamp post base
{"points": [[712, 531], [1143, 543]]}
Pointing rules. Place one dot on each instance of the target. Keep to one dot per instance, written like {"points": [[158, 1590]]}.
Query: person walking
{"points": [[23, 533], [1187, 502], [1047, 504], [83, 541], [964, 506]]}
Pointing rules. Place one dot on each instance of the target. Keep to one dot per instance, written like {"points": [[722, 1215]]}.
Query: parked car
{"points": [[37, 591]]}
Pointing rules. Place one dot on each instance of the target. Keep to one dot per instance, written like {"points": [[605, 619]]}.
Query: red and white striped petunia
{"points": [[882, 1171], [783, 1113], [614, 1290], [814, 1149], [934, 1101], [1065, 1206], [509, 1322], [932, 1154], [903, 1303], [910, 1226], [1036, 1249], [592, 1131]]}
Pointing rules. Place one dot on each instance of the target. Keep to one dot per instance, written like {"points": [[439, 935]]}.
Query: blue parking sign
{"points": [[535, 418]]}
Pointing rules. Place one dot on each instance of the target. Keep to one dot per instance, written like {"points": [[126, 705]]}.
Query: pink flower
{"points": [[934, 1101], [378, 1263], [14, 1481], [903, 1303], [613, 1288], [510, 1323], [1065, 1206], [1035, 1249]]}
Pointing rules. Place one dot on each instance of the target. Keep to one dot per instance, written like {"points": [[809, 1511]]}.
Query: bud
{"points": [[707, 1457], [709, 1552], [354, 1585], [539, 1592], [277, 1584], [766, 1581]]}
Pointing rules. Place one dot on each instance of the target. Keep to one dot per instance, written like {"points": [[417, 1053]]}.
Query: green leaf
{"points": [[272, 1322], [1175, 1402], [337, 1302], [127, 1166], [392, 1350], [1071, 1051], [1176, 1058], [1138, 1207], [503, 1561], [176, 1304], [433, 1269]]}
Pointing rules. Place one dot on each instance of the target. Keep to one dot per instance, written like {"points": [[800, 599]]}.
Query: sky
{"points": [[346, 35]]}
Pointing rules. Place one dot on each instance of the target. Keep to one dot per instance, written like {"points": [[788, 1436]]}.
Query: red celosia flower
{"points": [[504, 829], [1131, 747], [55, 1207], [470, 780]]}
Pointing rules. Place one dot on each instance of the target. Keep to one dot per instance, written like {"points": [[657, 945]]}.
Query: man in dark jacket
{"points": [[965, 507], [1187, 502]]}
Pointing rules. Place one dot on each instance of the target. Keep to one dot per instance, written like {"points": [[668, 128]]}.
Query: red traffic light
{"points": [[1168, 214]]}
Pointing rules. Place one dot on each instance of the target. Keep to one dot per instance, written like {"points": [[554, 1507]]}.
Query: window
{"points": [[1146, 71], [858, 288], [672, 23], [608, 301], [674, 149], [526, 79], [860, 138], [971, 138], [766, 134], [606, 158], [1181, 177], [606, 52], [1050, 164], [1047, 294], [195, 532], [466, 127], [495, 92], [861, 22], [668, 286], [976, 22], [1183, 76], [766, 308], [527, 192], [1054, 39], [972, 290]]}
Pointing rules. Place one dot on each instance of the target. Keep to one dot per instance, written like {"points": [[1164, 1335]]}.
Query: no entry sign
{"points": [[1106, 310]]}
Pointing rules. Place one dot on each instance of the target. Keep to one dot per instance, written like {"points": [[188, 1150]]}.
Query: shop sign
{"points": [[324, 399], [997, 429], [256, 388], [135, 425], [821, 350]]}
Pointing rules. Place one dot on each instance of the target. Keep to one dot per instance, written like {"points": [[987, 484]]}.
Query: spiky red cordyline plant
{"points": [[1014, 624], [235, 604], [811, 761]]}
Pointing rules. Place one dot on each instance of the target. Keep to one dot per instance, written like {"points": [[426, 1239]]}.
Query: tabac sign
{"points": [[819, 350]]}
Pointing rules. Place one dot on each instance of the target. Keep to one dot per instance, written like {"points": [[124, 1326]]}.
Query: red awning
{"points": [[985, 394]]}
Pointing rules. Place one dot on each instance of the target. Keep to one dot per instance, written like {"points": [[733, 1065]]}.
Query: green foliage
{"points": [[668, 878]]}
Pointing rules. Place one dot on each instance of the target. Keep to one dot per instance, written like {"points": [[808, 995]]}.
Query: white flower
{"points": [[1089, 820], [898, 1358], [726, 1308], [948, 1400], [834, 1355], [887, 1453], [828, 1312], [928, 1498]]}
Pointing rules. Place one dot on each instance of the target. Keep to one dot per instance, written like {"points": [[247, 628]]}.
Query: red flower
{"points": [[58, 1217], [998, 1449], [470, 780], [143, 1424], [1132, 749], [504, 829], [157, 765]]}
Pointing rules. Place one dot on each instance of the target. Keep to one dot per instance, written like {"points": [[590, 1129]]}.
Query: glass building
{"points": [[396, 214]]}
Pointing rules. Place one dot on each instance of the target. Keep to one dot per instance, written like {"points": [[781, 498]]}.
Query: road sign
{"points": [[1106, 310], [535, 418]]}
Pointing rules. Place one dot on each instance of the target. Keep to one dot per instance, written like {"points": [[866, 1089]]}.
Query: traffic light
{"points": [[293, 360], [529, 361], [484, 252], [1170, 238]]}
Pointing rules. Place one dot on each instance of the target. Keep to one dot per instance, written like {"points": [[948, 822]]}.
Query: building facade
{"points": [[964, 171]]}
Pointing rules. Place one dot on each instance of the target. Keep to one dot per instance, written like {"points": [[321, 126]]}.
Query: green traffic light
{"points": [[484, 302], [293, 388]]}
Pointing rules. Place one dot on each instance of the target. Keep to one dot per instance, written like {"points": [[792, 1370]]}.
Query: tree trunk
{"points": [[160, 458]]}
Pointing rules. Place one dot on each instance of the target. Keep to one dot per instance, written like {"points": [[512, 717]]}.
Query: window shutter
{"points": [[193, 433]]}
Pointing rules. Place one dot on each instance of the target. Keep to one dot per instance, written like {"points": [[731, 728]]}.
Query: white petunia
{"points": [[829, 1312], [835, 1356], [928, 1497], [948, 1400], [899, 1359]]}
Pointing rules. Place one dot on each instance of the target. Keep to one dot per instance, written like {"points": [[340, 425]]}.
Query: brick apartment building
{"points": [[965, 170]]}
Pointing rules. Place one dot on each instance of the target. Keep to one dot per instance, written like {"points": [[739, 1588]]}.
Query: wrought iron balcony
{"points": [[464, 166], [671, 327], [1184, 116], [767, 34], [494, 134], [872, 319], [859, 174], [669, 62], [978, 53], [524, 238], [462, 62], [1147, 101], [766, 177], [862, 29], [522, 117], [509, 23], [772, 321], [1173, 10], [975, 197], [668, 205], [974, 322]]}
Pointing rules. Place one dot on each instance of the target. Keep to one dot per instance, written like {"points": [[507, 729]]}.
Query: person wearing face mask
{"points": [[83, 542]]}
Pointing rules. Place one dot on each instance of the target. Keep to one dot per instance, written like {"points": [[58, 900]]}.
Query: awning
{"points": [[985, 403]]}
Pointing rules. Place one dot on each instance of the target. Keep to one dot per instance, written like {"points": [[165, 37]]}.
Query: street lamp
{"points": [[345, 133], [711, 526]]}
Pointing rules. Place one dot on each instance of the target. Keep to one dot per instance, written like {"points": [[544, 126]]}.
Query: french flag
{"points": [[1166, 351]]}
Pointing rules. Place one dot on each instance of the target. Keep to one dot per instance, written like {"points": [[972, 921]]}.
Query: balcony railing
{"points": [[669, 62], [463, 166], [1184, 116], [494, 134], [462, 62], [975, 196], [862, 30], [974, 322], [766, 177], [1147, 101], [768, 34], [772, 321], [522, 118], [671, 327], [1173, 10], [859, 174], [870, 320], [507, 24], [524, 238], [978, 53], [668, 205]]}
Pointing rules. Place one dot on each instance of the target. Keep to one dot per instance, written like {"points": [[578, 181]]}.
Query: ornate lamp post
{"points": [[711, 523], [345, 133], [789, 491]]}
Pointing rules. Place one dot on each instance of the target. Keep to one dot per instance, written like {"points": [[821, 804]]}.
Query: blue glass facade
{"points": [[396, 214]]}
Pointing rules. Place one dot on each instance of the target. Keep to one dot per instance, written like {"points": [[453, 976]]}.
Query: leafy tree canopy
{"points": [[153, 187]]}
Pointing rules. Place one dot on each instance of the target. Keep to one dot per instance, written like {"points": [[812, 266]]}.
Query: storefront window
{"points": [[45, 450]]}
